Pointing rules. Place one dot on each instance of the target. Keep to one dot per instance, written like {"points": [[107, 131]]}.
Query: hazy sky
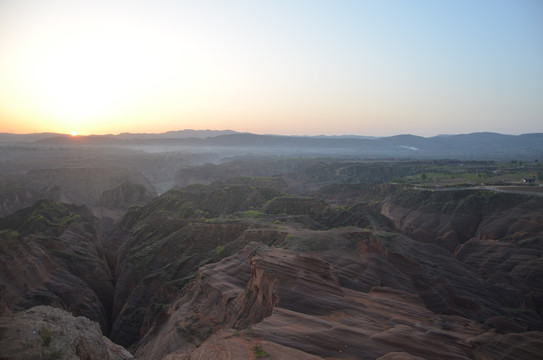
{"points": [[286, 67]]}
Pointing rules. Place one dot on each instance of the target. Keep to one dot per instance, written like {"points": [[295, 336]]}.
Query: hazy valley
{"points": [[224, 245]]}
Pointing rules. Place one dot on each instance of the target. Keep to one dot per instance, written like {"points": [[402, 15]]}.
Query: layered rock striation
{"points": [[242, 269]]}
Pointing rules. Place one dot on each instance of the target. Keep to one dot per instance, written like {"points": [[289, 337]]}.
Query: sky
{"points": [[294, 67]]}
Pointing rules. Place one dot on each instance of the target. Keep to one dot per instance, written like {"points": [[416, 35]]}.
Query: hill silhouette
{"points": [[482, 145]]}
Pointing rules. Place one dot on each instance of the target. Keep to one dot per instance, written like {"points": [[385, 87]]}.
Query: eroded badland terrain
{"points": [[118, 253]]}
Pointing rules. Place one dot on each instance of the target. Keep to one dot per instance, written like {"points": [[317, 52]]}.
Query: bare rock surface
{"points": [[124, 195], [519, 346], [229, 344], [241, 270], [52, 254], [80, 185], [15, 196], [449, 218], [44, 332], [265, 296]]}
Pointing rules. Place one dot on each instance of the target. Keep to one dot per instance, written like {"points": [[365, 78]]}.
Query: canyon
{"points": [[267, 257]]}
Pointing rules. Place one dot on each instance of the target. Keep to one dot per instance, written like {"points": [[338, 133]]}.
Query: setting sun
{"points": [[73, 133], [347, 67]]}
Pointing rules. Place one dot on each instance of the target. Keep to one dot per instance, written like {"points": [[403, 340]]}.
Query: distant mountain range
{"points": [[483, 145], [179, 134]]}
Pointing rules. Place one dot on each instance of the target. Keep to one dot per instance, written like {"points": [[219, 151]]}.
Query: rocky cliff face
{"points": [[44, 332], [241, 269], [124, 195], [52, 254], [449, 218], [113, 203], [80, 185], [15, 196], [75, 185], [288, 305]]}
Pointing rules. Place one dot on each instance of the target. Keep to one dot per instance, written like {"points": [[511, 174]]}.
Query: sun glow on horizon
{"points": [[78, 74], [345, 67]]}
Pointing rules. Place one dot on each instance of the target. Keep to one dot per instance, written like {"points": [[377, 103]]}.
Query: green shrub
{"points": [[249, 293], [260, 353], [46, 337]]}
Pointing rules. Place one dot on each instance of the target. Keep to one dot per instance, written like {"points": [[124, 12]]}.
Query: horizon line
{"points": [[254, 133]]}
